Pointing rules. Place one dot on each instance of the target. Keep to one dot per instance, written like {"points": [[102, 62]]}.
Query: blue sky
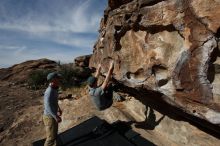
{"points": [[55, 29]]}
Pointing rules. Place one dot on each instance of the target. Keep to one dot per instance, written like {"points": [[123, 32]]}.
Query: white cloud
{"points": [[23, 54], [83, 20], [10, 47], [72, 19], [71, 39], [62, 24]]}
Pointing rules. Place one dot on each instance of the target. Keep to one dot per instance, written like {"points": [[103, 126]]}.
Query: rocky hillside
{"points": [[168, 48], [19, 73]]}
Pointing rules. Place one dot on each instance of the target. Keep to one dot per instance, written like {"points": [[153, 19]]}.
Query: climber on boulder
{"points": [[102, 95]]}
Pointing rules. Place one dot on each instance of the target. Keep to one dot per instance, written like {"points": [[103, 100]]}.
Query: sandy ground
{"points": [[20, 115]]}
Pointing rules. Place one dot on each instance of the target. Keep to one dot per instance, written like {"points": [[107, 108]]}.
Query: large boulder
{"points": [[81, 64], [82, 61], [146, 38]]}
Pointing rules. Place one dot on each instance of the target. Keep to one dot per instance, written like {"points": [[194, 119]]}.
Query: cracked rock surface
{"points": [[165, 46]]}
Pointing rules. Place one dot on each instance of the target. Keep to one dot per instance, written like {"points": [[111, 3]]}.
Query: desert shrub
{"points": [[69, 75], [38, 79]]}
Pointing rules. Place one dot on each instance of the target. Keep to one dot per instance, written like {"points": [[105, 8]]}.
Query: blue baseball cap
{"points": [[91, 80], [53, 75]]}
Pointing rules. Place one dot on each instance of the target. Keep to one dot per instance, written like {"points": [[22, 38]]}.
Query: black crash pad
{"points": [[95, 131]]}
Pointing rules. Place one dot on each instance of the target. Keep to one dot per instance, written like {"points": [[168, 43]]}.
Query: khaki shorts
{"points": [[51, 130]]}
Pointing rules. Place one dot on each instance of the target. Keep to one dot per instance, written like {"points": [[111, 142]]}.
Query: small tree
{"points": [[38, 79], [69, 75]]}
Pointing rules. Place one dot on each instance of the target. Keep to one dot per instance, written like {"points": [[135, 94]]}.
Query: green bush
{"points": [[38, 79], [69, 75]]}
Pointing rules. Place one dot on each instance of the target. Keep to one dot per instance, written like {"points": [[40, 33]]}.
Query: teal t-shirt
{"points": [[99, 98]]}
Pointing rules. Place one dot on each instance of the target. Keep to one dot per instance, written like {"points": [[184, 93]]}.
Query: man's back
{"points": [[50, 101], [100, 98]]}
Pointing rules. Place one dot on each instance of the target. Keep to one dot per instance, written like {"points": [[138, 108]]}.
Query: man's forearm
{"points": [[109, 74], [107, 78], [98, 71]]}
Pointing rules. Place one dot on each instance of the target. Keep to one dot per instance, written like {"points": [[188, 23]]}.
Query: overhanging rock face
{"points": [[146, 39]]}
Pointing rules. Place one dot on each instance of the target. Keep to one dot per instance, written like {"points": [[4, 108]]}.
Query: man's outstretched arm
{"points": [[108, 77], [98, 71]]}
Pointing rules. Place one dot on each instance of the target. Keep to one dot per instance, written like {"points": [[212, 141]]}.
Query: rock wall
{"points": [[165, 46]]}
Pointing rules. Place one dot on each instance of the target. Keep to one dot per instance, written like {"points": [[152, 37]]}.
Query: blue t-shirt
{"points": [[51, 102], [99, 98]]}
